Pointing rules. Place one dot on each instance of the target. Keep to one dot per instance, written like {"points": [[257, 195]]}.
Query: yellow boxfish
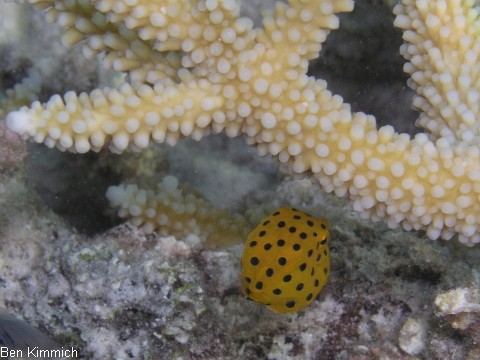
{"points": [[286, 260]]}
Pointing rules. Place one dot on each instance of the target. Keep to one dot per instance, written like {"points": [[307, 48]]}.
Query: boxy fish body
{"points": [[286, 260]]}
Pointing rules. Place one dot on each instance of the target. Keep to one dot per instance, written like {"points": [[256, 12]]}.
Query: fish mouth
{"points": [[250, 299]]}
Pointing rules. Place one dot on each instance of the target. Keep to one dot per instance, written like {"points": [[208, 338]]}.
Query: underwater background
{"points": [[89, 280]]}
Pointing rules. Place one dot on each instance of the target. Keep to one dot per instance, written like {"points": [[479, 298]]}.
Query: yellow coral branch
{"points": [[443, 51], [173, 212], [102, 30], [121, 118]]}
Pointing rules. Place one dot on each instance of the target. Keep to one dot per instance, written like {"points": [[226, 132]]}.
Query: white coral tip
{"points": [[116, 195], [19, 122], [170, 183]]}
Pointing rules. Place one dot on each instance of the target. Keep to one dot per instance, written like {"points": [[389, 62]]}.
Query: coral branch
{"points": [[443, 52], [120, 118], [173, 212]]}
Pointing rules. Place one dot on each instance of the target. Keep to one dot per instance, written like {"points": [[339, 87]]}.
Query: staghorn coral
{"points": [[209, 70], [172, 211]]}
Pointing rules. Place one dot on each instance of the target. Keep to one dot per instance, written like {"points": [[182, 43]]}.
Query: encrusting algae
{"points": [[286, 260]]}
